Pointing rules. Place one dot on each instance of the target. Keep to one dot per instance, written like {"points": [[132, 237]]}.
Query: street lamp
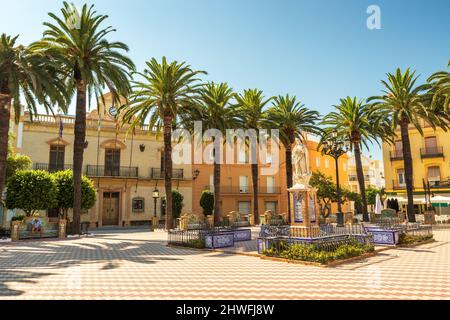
{"points": [[336, 148], [155, 198]]}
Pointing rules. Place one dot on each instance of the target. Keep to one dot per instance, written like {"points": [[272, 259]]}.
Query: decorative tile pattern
{"points": [[138, 265]]}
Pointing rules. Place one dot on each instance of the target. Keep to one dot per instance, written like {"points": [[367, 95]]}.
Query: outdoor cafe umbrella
{"points": [[440, 201], [378, 205]]}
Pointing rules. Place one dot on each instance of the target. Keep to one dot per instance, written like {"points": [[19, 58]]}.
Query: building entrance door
{"points": [[111, 208]]}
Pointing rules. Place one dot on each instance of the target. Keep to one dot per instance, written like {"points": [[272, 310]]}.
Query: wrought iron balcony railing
{"points": [[121, 172], [432, 152], [247, 190], [157, 173], [50, 167], [396, 155]]}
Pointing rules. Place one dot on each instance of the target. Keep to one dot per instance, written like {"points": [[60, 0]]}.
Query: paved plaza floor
{"points": [[138, 265]]}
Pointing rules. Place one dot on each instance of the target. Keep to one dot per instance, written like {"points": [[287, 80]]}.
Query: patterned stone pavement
{"points": [[130, 265]]}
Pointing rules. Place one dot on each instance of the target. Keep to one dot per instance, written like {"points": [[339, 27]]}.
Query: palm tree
{"points": [[294, 120], [79, 44], [251, 110], [407, 104], [216, 112], [441, 84], [357, 123], [166, 91], [28, 74]]}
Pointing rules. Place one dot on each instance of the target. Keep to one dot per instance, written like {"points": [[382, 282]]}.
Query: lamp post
{"points": [[335, 149], [155, 198]]}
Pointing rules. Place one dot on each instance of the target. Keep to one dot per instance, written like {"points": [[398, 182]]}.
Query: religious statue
{"points": [[300, 159]]}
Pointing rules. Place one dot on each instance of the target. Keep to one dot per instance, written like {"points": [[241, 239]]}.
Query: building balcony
{"points": [[396, 155], [432, 152], [440, 184], [158, 174], [235, 190], [50, 167], [120, 172], [398, 186]]}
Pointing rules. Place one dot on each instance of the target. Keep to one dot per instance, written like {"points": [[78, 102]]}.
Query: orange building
{"points": [[236, 183]]}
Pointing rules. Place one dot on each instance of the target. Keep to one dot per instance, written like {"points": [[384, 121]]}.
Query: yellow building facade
{"points": [[126, 167], [431, 164]]}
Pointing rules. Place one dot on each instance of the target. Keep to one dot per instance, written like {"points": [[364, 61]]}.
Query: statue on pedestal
{"points": [[300, 159]]}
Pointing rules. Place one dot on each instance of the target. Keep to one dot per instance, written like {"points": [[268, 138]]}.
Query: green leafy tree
{"points": [[28, 75], [359, 124], [177, 203], [356, 198], [406, 104], [294, 120], [251, 108], [207, 202], [80, 46], [326, 191], [165, 91], [64, 183], [31, 191], [371, 194], [17, 162]]}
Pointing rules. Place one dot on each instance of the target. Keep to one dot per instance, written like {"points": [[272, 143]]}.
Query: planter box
{"points": [[219, 240], [384, 237], [242, 235]]}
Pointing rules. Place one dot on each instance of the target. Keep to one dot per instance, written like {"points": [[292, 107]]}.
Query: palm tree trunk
{"points": [[255, 193], [78, 152], [5, 110], [217, 216], [407, 159], [168, 119], [361, 181], [289, 178]]}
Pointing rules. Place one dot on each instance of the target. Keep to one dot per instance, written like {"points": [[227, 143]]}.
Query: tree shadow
{"points": [[107, 248]]}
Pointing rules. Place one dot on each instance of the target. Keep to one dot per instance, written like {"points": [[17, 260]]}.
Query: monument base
{"points": [[298, 231]]}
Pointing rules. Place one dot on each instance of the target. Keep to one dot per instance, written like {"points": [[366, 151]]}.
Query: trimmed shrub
{"points": [[31, 191], [207, 202], [177, 203], [64, 183]]}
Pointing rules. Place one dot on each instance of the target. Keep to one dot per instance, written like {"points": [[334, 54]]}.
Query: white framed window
{"points": [[317, 161], [243, 184], [327, 163], [270, 184], [345, 167], [401, 177]]}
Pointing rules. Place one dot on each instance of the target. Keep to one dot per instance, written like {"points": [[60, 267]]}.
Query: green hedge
{"points": [[311, 253]]}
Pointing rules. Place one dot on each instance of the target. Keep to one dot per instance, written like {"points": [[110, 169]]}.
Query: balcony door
{"points": [[398, 148], [430, 145], [57, 155], [112, 162]]}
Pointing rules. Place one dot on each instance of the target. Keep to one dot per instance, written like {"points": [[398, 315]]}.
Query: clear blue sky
{"points": [[318, 50]]}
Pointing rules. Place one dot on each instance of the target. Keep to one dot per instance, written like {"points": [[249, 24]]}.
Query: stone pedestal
{"points": [[62, 227], [304, 213], [15, 230], [155, 222]]}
